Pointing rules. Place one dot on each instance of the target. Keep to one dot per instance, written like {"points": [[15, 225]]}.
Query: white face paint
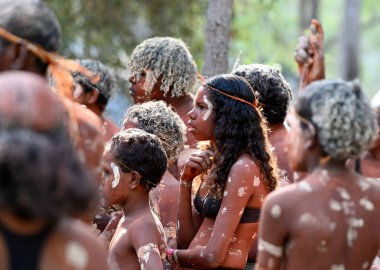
{"points": [[276, 211], [367, 204], [77, 92], [143, 253], [209, 109], [116, 175], [77, 255], [256, 181], [270, 248]]}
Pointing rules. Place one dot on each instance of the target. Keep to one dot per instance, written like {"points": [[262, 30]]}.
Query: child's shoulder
{"points": [[144, 223]]}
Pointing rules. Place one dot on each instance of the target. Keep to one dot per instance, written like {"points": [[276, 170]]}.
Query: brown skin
{"points": [[89, 99], [221, 242], [167, 192], [317, 234], [137, 229], [309, 55], [54, 255], [181, 105]]}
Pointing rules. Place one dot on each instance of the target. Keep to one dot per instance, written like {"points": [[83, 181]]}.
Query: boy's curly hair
{"points": [[169, 60]]}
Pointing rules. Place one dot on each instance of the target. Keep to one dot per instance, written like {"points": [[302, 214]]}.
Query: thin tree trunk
{"points": [[349, 52], [308, 9], [217, 37]]}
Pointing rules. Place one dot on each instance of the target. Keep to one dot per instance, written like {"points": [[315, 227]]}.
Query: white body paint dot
{"points": [[337, 267], [224, 211], [143, 253], [256, 181], [336, 206], [304, 186], [367, 204], [116, 174], [276, 211], [76, 255], [242, 191]]}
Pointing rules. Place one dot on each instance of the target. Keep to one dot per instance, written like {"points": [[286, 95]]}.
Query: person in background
{"points": [[95, 96], [330, 122]]}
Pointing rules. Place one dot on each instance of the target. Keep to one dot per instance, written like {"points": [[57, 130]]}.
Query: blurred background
{"points": [[260, 31]]}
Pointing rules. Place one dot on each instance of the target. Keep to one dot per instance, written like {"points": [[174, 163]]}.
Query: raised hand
{"points": [[309, 55], [197, 163]]}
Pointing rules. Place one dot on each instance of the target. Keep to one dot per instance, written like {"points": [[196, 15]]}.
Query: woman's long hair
{"points": [[239, 129]]}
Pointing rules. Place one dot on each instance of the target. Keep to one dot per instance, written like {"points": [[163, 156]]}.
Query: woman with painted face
{"points": [[329, 220], [236, 171]]}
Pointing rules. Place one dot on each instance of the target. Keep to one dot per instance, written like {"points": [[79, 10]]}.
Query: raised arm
{"points": [[309, 55], [187, 226], [238, 191]]}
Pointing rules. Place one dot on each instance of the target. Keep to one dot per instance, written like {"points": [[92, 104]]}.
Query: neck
{"points": [[332, 165], [136, 203], [95, 109], [176, 102]]}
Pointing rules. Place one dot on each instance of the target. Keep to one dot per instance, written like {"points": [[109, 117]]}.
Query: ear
{"points": [[92, 96], [310, 137], [20, 56], [135, 180]]}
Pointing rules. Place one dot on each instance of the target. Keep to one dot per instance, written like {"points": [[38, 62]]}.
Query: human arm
{"points": [[272, 234], [145, 240], [110, 229], [188, 221], [309, 55], [238, 191]]}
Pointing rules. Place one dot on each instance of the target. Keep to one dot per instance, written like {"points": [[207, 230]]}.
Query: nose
{"points": [[191, 114], [132, 79]]}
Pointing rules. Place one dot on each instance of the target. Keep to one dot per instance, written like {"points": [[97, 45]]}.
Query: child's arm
{"points": [[144, 238]]}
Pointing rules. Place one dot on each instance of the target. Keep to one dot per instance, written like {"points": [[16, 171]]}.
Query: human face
{"points": [[138, 89], [201, 123], [115, 182], [294, 143]]}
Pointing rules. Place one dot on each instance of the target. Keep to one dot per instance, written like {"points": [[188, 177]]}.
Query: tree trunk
{"points": [[217, 37], [308, 9], [349, 51]]}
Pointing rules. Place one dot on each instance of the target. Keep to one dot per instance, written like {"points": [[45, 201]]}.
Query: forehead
{"points": [[201, 94]]}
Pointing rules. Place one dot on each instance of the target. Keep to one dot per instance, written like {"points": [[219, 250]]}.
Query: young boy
{"points": [[135, 163]]}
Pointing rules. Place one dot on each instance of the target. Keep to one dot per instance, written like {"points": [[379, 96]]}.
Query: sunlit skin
{"points": [[167, 192], [181, 105], [335, 229], [221, 242], [137, 228]]}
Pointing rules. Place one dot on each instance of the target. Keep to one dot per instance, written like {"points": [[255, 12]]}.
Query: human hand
{"points": [[198, 162], [109, 231], [309, 55]]}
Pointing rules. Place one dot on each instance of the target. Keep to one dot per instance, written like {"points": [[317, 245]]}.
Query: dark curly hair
{"points": [[41, 177], [104, 85], [239, 129], [272, 90], [137, 150]]}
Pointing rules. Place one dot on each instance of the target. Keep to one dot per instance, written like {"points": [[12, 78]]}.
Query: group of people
{"points": [[231, 177]]}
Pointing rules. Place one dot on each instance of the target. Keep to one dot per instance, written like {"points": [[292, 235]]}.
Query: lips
{"points": [[190, 128]]}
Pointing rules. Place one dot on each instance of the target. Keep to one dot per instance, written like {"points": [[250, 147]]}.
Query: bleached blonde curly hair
{"points": [[157, 118], [167, 59], [345, 123]]}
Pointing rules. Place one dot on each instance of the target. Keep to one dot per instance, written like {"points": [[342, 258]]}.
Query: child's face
{"points": [[114, 181]]}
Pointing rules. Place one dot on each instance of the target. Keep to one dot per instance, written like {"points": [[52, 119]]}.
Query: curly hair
{"points": [[33, 21], [272, 90], [345, 123], [239, 129], [104, 85], [157, 118], [169, 60], [138, 150], [52, 182]]}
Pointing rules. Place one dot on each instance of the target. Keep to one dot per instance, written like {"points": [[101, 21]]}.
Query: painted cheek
{"points": [[77, 92]]}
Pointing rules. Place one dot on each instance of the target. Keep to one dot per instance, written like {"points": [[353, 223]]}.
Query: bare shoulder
{"points": [[75, 244], [245, 166], [145, 225]]}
